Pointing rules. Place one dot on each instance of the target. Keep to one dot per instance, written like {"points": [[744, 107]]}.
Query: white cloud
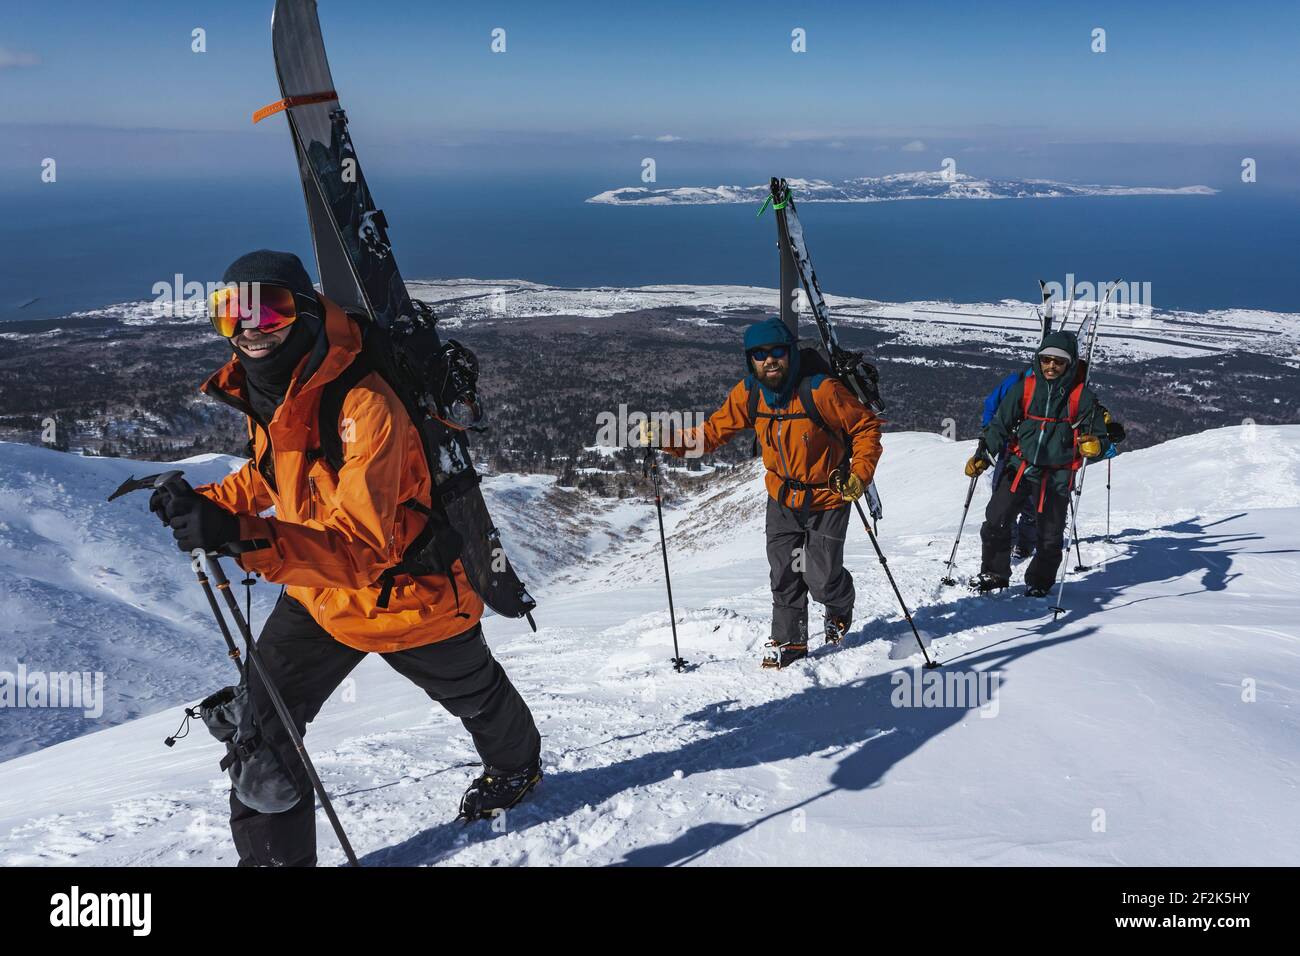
{"points": [[668, 138], [11, 58], [915, 146]]}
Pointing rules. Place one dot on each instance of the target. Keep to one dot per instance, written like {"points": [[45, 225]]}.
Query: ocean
{"points": [[76, 245]]}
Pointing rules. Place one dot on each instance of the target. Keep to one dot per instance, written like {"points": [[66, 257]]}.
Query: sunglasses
{"points": [[251, 305], [776, 351], [1052, 360]]}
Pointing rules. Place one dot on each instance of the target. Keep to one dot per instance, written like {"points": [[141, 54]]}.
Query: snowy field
{"points": [[1138, 330], [1155, 723]]}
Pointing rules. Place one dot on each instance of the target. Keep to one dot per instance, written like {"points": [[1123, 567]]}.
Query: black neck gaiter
{"points": [[268, 377]]}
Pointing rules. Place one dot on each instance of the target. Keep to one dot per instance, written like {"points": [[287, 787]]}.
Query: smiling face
{"points": [[1052, 367], [769, 369], [258, 344]]}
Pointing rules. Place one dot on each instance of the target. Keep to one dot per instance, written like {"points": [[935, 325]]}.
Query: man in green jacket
{"points": [[1052, 422]]}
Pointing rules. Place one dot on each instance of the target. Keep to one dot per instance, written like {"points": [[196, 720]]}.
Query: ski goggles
{"points": [[776, 351], [251, 305]]}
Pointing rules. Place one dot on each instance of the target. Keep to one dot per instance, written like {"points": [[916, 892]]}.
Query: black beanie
{"points": [[279, 268]]}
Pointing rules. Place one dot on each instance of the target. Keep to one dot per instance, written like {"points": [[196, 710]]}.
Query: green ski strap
{"points": [[768, 202]]}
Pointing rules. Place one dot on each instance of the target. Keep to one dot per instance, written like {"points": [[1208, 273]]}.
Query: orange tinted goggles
{"points": [[251, 305]]}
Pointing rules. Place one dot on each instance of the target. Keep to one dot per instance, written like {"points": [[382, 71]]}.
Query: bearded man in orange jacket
{"points": [[332, 537], [820, 448]]}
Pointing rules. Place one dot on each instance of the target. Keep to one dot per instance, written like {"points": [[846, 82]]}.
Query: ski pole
{"points": [[254, 659], [1076, 501], [281, 709], [901, 603], [1059, 608], [948, 579], [232, 651], [1108, 500], [652, 463]]}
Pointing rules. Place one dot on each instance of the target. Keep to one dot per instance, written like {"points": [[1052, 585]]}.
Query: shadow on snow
{"points": [[853, 724]]}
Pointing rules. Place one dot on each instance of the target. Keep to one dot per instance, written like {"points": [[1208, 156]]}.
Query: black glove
{"points": [[164, 493], [1115, 432], [198, 522]]}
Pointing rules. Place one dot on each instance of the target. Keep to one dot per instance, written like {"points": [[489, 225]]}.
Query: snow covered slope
{"points": [[89, 586], [1155, 723]]}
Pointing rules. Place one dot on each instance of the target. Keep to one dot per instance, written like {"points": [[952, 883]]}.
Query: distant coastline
{"points": [[897, 186]]}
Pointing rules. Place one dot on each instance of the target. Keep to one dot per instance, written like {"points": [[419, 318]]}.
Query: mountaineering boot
{"points": [[836, 628], [783, 655], [985, 581], [494, 791], [1033, 590]]}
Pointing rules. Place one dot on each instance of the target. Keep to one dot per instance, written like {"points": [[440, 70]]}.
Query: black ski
{"points": [[796, 265], [359, 272], [1045, 310]]}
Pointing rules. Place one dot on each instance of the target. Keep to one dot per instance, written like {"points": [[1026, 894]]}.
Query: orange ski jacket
{"points": [[332, 535], [796, 452]]}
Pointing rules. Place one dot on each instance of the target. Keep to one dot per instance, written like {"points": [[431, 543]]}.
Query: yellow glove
{"points": [[850, 488], [649, 434], [1089, 446], [976, 466]]}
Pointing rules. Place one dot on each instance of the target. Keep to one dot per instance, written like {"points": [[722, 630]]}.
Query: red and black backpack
{"points": [[1072, 413]]}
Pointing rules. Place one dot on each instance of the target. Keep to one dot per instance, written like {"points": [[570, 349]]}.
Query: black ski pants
{"points": [[306, 665], [1024, 536], [999, 518]]}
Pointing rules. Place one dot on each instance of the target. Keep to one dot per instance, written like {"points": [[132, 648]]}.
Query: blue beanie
{"points": [[765, 334]]}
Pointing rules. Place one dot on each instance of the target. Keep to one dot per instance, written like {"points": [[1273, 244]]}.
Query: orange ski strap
{"points": [[305, 99]]}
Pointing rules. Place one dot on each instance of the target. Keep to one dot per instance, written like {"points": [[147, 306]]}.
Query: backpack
{"points": [[422, 371], [813, 366]]}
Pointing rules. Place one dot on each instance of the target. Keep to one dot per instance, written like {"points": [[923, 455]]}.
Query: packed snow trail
{"points": [[1155, 723]]}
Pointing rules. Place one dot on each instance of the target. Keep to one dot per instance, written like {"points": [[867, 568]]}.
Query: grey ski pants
{"points": [[805, 552]]}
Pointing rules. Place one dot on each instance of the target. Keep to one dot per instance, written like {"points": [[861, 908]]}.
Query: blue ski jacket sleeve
{"points": [[995, 397]]}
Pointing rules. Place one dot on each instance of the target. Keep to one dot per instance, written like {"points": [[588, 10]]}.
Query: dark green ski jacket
{"points": [[1046, 447]]}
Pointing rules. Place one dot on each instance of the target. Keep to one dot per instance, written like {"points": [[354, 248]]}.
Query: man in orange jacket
{"points": [[819, 461], [331, 538]]}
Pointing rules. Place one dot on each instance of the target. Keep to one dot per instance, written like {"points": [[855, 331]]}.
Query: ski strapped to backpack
{"points": [[439, 545], [358, 271], [858, 375]]}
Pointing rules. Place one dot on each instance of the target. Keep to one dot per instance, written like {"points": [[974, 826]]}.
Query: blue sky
{"points": [[712, 91]]}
